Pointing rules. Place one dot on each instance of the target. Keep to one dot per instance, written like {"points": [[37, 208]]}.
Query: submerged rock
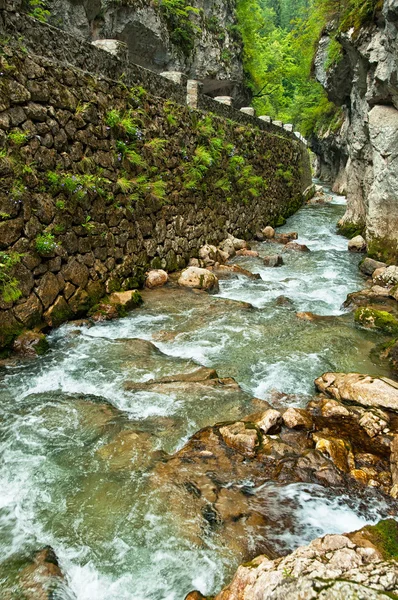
{"points": [[356, 566], [364, 390], [196, 278], [34, 577]]}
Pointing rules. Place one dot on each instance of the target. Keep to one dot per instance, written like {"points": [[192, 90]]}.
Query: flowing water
{"points": [[110, 528]]}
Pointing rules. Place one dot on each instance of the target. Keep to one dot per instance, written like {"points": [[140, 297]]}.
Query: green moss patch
{"points": [[384, 536], [377, 319]]}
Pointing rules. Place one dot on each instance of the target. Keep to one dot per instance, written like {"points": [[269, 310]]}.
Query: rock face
{"points": [[355, 566], [203, 45], [361, 389], [361, 159]]}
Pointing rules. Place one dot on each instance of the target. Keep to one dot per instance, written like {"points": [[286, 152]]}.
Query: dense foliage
{"points": [[280, 38]]}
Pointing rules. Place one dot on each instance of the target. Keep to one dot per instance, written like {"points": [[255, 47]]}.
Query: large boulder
{"points": [[200, 279], [364, 390], [357, 566]]}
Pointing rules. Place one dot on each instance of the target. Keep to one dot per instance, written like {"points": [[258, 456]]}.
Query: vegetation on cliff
{"points": [[280, 39]]}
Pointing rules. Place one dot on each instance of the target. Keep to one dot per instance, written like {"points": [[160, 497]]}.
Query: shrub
{"points": [[45, 243], [9, 285]]}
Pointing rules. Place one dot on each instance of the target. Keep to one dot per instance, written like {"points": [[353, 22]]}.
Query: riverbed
{"points": [[111, 529]]}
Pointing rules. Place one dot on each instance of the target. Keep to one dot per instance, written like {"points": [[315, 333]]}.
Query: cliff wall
{"points": [[199, 38], [101, 179], [362, 157]]}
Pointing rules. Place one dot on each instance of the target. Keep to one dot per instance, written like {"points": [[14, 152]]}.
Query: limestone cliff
{"points": [[361, 158], [199, 38]]}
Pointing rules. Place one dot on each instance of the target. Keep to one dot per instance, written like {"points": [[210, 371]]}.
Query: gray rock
{"points": [[274, 260]]}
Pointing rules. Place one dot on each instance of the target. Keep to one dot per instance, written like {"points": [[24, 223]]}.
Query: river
{"points": [[110, 528]]}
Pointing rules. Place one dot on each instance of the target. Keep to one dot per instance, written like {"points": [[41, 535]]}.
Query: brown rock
{"points": [[273, 260], [360, 389], [240, 437], [269, 232], [30, 312], [285, 238], [79, 303], [30, 343], [295, 247], [270, 421], [156, 278], [297, 418], [58, 313], [48, 289], [10, 231], [76, 273], [246, 252], [39, 580], [197, 278]]}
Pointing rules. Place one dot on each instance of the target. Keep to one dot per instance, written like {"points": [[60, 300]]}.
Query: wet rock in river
{"points": [[39, 577], [238, 243], [156, 278], [273, 260], [369, 265], [30, 343], [196, 278], [270, 421], [241, 437], [358, 565], [285, 238], [375, 294], [357, 244], [364, 390], [387, 276], [377, 319], [269, 232], [246, 252], [128, 450], [297, 418], [295, 247], [230, 271]]}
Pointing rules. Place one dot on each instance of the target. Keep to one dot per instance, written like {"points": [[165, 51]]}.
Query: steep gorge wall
{"points": [[101, 180], [205, 43], [362, 157]]}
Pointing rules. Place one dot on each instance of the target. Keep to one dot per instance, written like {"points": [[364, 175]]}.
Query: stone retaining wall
{"points": [[101, 180]]}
